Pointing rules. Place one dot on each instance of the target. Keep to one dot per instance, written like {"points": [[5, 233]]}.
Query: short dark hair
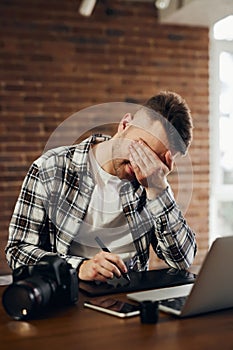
{"points": [[177, 115]]}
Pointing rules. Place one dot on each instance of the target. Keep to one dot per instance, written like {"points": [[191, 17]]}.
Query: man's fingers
{"points": [[138, 154], [108, 264], [116, 262], [102, 266]]}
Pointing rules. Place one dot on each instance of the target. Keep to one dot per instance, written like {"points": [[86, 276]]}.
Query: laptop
{"points": [[211, 291]]}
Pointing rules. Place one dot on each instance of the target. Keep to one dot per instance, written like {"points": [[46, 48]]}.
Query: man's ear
{"points": [[125, 121], [169, 160]]}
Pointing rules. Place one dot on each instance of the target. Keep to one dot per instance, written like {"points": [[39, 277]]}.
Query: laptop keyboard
{"points": [[174, 303]]}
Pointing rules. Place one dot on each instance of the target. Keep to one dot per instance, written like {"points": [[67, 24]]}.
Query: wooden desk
{"points": [[83, 329]]}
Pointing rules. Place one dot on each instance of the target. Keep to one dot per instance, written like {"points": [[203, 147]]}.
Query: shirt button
{"points": [[86, 190]]}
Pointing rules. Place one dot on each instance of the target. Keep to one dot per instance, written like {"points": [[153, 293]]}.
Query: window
{"points": [[221, 129]]}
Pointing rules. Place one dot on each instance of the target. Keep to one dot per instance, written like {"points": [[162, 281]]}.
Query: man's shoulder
{"points": [[64, 153], [66, 156]]}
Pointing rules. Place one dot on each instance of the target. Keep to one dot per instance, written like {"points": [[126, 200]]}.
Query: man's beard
{"points": [[120, 161]]}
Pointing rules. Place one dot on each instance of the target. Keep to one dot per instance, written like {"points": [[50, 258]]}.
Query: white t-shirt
{"points": [[104, 218]]}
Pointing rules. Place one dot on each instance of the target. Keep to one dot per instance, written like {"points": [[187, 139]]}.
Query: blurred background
{"points": [[60, 57]]}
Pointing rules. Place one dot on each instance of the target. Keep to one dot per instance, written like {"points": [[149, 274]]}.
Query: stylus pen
{"points": [[105, 249]]}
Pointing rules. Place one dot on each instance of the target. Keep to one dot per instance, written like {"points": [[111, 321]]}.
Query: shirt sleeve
{"points": [[176, 241], [28, 230], [32, 234]]}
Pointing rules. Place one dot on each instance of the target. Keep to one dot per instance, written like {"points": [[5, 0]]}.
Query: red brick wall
{"points": [[53, 63]]}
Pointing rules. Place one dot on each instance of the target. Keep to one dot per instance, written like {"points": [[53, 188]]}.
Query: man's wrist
{"points": [[153, 193], [80, 266], [164, 200]]}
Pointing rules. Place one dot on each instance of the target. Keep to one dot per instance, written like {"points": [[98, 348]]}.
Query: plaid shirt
{"points": [[54, 200]]}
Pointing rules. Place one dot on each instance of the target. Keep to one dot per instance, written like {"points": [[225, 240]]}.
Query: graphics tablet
{"points": [[143, 280]]}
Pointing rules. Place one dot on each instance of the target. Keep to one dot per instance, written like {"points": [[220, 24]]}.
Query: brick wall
{"points": [[53, 63]]}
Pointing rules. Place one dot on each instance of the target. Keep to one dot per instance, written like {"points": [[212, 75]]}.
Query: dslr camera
{"points": [[49, 284]]}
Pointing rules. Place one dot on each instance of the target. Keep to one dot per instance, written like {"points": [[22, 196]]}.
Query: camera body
{"points": [[51, 283]]}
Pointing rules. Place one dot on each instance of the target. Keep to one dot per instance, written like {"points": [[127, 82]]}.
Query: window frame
{"points": [[218, 191]]}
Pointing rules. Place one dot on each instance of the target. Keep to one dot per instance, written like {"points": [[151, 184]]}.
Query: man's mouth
{"points": [[129, 168]]}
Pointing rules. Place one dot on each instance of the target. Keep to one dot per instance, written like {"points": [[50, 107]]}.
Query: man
{"points": [[113, 188]]}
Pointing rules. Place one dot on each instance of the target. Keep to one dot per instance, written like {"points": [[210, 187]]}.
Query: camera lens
{"points": [[24, 299]]}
